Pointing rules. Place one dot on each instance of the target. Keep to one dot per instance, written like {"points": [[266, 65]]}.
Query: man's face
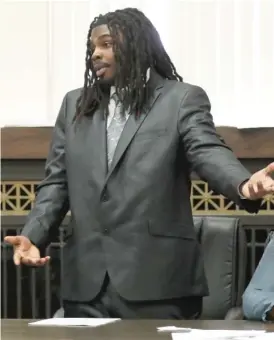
{"points": [[103, 57]]}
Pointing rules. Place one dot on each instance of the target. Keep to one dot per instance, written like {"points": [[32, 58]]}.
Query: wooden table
{"points": [[122, 330]]}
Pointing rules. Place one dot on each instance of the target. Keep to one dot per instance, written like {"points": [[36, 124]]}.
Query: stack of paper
{"points": [[222, 335], [170, 329], [75, 322]]}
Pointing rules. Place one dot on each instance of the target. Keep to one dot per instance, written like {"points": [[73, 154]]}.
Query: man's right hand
{"points": [[25, 252]]}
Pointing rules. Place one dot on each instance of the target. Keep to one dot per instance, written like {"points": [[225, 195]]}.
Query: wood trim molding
{"points": [[33, 142], [25, 142]]}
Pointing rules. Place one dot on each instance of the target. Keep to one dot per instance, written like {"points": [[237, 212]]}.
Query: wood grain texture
{"points": [[249, 143], [25, 142], [121, 330], [34, 142]]}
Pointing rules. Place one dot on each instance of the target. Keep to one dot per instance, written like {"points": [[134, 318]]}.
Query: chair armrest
{"points": [[235, 313]]}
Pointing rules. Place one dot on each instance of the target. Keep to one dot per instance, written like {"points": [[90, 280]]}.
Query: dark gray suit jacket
{"points": [[134, 221]]}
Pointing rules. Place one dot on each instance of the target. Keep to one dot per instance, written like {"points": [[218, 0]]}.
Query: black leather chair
{"points": [[225, 255]]}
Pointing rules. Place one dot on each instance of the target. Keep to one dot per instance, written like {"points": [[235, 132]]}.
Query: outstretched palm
{"points": [[25, 252]]}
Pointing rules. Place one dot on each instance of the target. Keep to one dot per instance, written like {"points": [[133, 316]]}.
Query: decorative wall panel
{"points": [[17, 199]]}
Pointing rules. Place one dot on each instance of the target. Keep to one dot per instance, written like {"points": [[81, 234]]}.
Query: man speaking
{"points": [[122, 152]]}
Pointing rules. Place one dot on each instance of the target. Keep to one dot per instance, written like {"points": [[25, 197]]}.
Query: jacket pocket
{"points": [[171, 229], [151, 134]]}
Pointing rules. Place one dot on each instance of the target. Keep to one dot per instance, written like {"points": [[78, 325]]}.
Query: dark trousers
{"points": [[109, 304]]}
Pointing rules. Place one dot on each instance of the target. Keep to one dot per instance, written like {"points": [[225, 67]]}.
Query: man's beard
{"points": [[105, 83]]}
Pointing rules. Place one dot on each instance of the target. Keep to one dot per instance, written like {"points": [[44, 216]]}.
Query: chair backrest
{"points": [[224, 249]]}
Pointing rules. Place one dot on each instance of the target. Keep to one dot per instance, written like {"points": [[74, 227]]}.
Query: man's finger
{"points": [[17, 258], [13, 240], [251, 189], [30, 261], [269, 190], [269, 169], [260, 187]]}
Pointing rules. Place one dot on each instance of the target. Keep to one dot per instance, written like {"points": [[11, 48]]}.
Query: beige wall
{"points": [[225, 46]]}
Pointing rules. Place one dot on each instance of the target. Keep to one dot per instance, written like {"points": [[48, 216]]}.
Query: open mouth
{"points": [[101, 72], [100, 69]]}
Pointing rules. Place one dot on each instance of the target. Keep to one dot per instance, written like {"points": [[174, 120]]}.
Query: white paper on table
{"points": [[219, 334], [173, 329], [265, 336], [73, 322]]}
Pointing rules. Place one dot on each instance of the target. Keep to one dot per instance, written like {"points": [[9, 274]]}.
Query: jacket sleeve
{"points": [[258, 298], [207, 153], [51, 203], [257, 304]]}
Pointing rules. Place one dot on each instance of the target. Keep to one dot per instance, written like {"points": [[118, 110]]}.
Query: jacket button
{"points": [[106, 231]]}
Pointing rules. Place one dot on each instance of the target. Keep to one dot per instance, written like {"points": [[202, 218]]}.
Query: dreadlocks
{"points": [[139, 49]]}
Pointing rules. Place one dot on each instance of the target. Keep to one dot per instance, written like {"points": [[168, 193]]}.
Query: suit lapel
{"points": [[131, 127]]}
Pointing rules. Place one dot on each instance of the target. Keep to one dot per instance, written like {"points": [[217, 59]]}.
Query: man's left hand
{"points": [[260, 184]]}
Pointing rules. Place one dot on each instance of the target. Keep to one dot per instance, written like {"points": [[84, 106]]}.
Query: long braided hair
{"points": [[141, 48]]}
